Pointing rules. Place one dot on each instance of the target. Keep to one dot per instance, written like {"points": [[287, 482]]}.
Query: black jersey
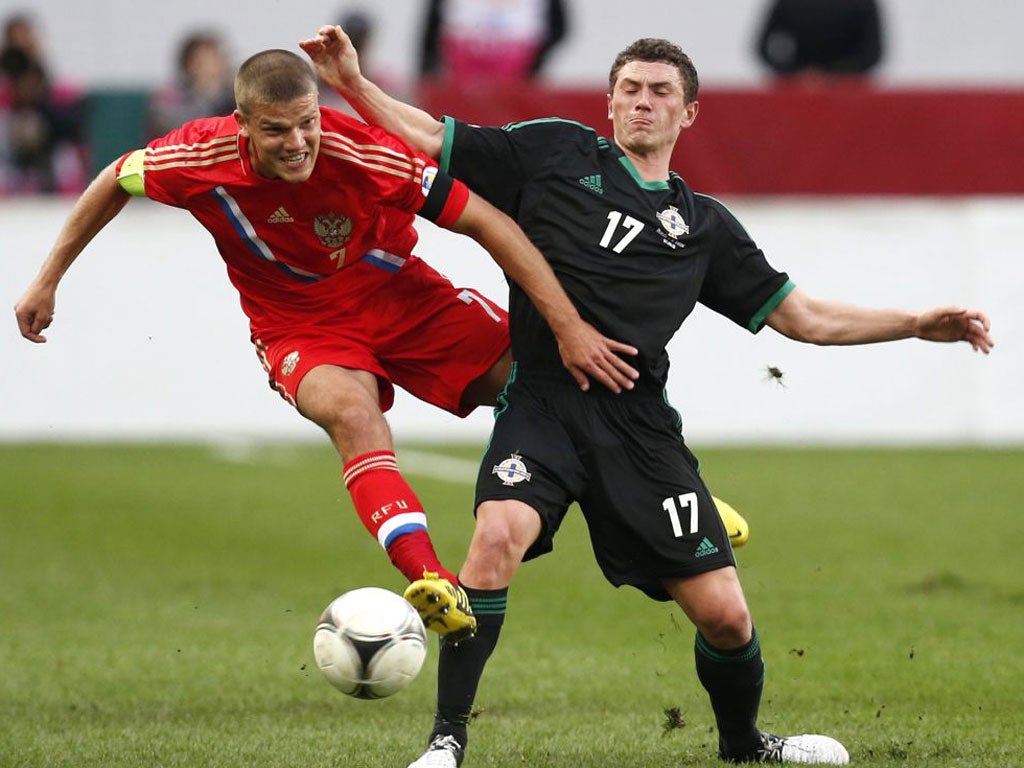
{"points": [[634, 256]]}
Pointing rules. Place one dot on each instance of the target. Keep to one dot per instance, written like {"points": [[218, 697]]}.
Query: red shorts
{"points": [[409, 327]]}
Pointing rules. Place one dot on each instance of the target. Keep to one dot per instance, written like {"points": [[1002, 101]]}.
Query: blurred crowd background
{"points": [[72, 97], [872, 147]]}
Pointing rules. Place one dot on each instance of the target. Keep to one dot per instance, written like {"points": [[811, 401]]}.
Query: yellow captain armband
{"points": [[132, 176]]}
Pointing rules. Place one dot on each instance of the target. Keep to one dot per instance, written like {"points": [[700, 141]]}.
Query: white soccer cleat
{"points": [[443, 752], [808, 748]]}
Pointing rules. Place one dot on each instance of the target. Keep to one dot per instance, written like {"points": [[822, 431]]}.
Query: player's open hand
{"points": [[588, 354], [956, 324], [334, 56], [34, 312]]}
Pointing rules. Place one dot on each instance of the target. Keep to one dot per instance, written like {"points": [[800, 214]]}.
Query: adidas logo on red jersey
{"points": [[280, 216]]}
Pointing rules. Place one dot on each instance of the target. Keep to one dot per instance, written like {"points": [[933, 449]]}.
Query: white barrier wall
{"points": [[126, 42], [149, 340]]}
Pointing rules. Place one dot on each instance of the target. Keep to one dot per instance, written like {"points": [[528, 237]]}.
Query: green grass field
{"points": [[157, 605]]}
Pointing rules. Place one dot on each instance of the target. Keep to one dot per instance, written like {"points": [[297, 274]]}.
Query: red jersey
{"points": [[286, 245]]}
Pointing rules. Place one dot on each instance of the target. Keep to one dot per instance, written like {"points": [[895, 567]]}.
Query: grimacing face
{"points": [[648, 106], [284, 139]]}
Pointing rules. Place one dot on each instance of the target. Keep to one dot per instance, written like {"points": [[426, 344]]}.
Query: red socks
{"points": [[391, 512]]}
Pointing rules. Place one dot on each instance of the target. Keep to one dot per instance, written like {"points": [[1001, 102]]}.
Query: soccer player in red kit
{"points": [[312, 213]]}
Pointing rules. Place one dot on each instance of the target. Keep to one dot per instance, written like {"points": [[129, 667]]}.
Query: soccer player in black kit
{"points": [[635, 249]]}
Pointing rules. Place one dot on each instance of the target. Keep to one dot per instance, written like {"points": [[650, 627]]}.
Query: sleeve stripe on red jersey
{"points": [[379, 149], [170, 148], [170, 163], [181, 155], [134, 165], [373, 156], [413, 174], [220, 153]]}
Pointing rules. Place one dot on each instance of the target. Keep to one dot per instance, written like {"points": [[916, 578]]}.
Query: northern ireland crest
{"points": [[672, 220], [512, 470]]}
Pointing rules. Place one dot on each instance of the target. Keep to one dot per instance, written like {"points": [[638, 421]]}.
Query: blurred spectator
{"points": [[40, 123], [475, 40], [204, 86], [802, 37], [360, 27]]}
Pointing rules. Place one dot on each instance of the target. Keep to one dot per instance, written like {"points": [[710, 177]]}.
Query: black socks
{"points": [[734, 680], [461, 665]]}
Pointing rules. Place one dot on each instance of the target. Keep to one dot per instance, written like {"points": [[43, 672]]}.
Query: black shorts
{"points": [[622, 457]]}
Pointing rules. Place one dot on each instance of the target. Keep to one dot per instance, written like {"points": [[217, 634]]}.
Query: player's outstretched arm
{"points": [[102, 200], [585, 351], [818, 321], [337, 63]]}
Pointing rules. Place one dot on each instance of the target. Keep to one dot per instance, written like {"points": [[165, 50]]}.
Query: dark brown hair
{"points": [[655, 49]]}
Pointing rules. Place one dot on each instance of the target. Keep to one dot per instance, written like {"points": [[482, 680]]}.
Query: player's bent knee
{"points": [[496, 540], [354, 426], [356, 417], [328, 395], [726, 626], [505, 530], [495, 545]]}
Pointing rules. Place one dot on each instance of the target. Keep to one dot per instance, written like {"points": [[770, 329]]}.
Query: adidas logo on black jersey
{"points": [[705, 548], [593, 183]]}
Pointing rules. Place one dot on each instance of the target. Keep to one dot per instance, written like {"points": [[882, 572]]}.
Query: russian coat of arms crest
{"points": [[332, 229]]}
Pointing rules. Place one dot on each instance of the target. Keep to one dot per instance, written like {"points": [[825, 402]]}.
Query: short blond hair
{"points": [[272, 77]]}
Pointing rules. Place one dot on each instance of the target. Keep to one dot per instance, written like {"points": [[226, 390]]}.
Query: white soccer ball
{"points": [[370, 643]]}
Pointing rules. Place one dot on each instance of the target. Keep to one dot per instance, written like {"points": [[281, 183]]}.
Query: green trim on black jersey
{"points": [[446, 144], [654, 186], [727, 210], [757, 321], [502, 405], [678, 416], [539, 120]]}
